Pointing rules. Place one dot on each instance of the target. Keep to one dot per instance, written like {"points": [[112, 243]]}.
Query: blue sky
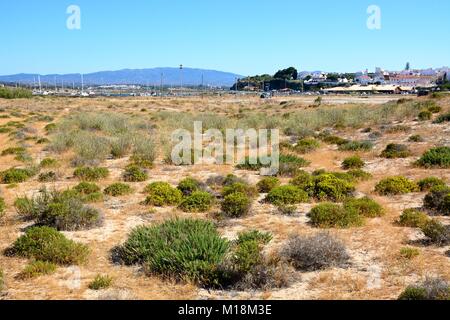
{"points": [[241, 36]]}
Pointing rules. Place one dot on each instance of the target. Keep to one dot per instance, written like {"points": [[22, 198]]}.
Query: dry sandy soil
{"points": [[377, 270]]}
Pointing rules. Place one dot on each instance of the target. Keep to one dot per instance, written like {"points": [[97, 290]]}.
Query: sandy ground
{"points": [[377, 271]]}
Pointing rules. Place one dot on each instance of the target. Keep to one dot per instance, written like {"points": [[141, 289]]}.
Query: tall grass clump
{"points": [[15, 93]]}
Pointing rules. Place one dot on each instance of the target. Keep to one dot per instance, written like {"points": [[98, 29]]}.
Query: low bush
{"points": [[397, 129], [61, 210], [13, 151], [118, 189], [236, 205], [189, 185], [354, 162], [15, 175], [266, 184], [286, 209], [306, 145], [303, 180], [409, 253], [435, 158], [36, 269], [48, 163], [49, 176], [395, 186], [49, 245], [240, 187], [91, 173], [413, 218], [394, 151], [162, 194], [330, 215], [425, 115], [254, 235], [327, 187], [416, 138], [442, 118], [290, 165], [251, 164], [436, 232], [429, 183], [331, 139], [288, 194], [430, 289], [437, 201], [100, 282], [15, 93], [198, 201], [365, 207], [317, 252], [134, 173], [356, 146], [182, 249], [359, 175]]}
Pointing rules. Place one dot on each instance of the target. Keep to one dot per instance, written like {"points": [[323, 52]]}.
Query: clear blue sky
{"points": [[242, 36]]}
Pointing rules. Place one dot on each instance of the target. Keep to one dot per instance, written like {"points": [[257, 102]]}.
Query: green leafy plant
{"points": [[395, 186], [435, 158], [437, 201], [365, 206], [118, 189], [37, 269], [240, 187], [266, 184], [436, 232], [429, 183], [430, 289], [354, 162], [100, 282], [236, 205], [15, 175], [162, 194], [288, 194], [198, 201], [188, 185], [394, 151], [91, 173], [409, 253], [330, 215], [306, 145], [356, 146], [413, 218], [134, 173]]}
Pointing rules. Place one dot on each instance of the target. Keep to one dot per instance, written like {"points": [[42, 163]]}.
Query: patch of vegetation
{"points": [[425, 115], [327, 187], [430, 289], [290, 165], [307, 145], [240, 187], [251, 164], [36, 269], [394, 151], [395, 186], [15, 93], [162, 194], [409, 253], [60, 210], [435, 158], [442, 118], [182, 249], [288, 194], [330, 215], [413, 218], [354, 162], [13, 151], [100, 282], [236, 205], [198, 201], [366, 207], [189, 185], [49, 245], [436, 232], [359, 175], [2, 207], [266, 184], [91, 173], [118, 189], [356, 146], [317, 252], [429, 183], [437, 201], [134, 173], [330, 139], [48, 163], [397, 129], [49, 176], [16, 175], [416, 138]]}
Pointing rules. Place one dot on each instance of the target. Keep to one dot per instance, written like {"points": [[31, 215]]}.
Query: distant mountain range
{"points": [[171, 77]]}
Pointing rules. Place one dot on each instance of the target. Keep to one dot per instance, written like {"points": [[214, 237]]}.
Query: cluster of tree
{"points": [[14, 93]]}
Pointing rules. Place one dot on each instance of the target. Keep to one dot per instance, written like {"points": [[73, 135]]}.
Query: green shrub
{"points": [[413, 218], [416, 138], [288, 194], [51, 127], [394, 151], [246, 256], [49, 245], [438, 200], [306, 145], [436, 158], [359, 175], [236, 205], [118, 189], [100, 282], [42, 141], [254, 235], [330, 215], [14, 150], [354, 162], [436, 232], [61, 210], [2, 207], [425, 115], [48, 162], [183, 249], [198, 201], [2, 281], [266, 184], [316, 252], [36, 269], [303, 180], [429, 183], [434, 109], [15, 175], [162, 194], [356, 146], [330, 188], [286, 209], [409, 253], [430, 289], [290, 165], [49, 176], [15, 93], [240, 187], [86, 188], [134, 173], [395, 186], [330, 139], [188, 186], [442, 118], [366, 207], [91, 173], [144, 152], [251, 164]]}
